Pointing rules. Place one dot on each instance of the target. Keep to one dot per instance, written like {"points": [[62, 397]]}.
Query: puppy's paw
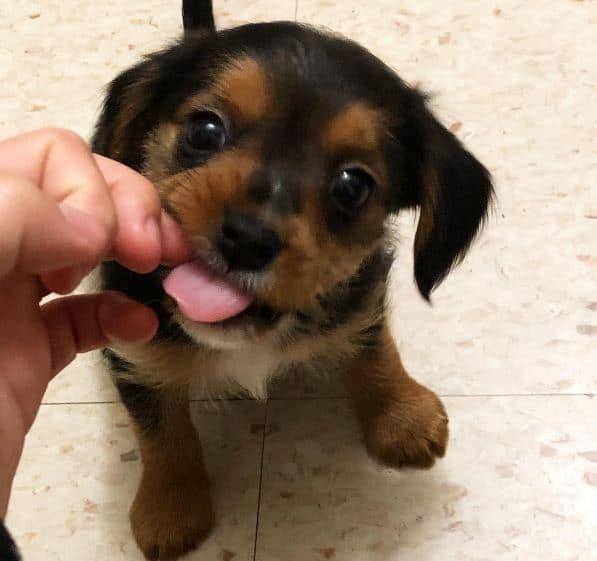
{"points": [[410, 433], [171, 518]]}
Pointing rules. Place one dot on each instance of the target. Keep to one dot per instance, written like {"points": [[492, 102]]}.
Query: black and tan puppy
{"points": [[281, 151]]}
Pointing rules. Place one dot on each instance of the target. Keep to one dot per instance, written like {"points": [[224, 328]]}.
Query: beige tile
{"points": [[234, 12], [519, 81], [308, 385], [85, 380], [56, 57], [518, 483], [74, 486]]}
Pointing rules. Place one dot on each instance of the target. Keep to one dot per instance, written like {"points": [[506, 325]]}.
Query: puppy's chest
{"points": [[250, 368]]}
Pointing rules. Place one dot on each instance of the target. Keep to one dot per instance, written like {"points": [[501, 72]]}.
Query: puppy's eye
{"points": [[350, 189], [203, 133]]}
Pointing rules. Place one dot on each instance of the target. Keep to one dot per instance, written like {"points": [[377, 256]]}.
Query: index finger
{"points": [[60, 164], [146, 236]]}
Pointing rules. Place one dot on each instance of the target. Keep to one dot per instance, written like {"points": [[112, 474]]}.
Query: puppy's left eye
{"points": [[350, 189], [202, 133]]}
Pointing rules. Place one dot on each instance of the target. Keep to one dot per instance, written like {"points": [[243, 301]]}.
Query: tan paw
{"points": [[409, 433], [171, 518]]}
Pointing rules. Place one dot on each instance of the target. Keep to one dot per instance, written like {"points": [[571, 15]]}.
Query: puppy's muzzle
{"points": [[246, 243]]}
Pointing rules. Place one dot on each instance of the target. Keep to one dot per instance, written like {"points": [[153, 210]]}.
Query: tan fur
{"points": [[428, 209], [172, 511], [243, 89], [240, 89], [404, 423], [160, 149], [357, 127], [199, 197], [311, 261], [132, 103], [159, 364], [169, 366]]}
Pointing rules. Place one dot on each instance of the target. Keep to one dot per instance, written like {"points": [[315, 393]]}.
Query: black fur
{"points": [[146, 288], [339, 306], [117, 363], [143, 404], [266, 186], [312, 77], [345, 301], [296, 53], [369, 337], [302, 64], [197, 15], [460, 205], [8, 549]]}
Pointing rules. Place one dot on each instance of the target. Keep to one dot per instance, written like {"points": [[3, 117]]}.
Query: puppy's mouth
{"points": [[207, 296]]}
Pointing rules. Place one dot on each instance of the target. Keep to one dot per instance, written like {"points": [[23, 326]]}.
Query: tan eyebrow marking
{"points": [[357, 127], [240, 89]]}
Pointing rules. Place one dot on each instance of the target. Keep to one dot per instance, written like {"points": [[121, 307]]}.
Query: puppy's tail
{"points": [[197, 15]]}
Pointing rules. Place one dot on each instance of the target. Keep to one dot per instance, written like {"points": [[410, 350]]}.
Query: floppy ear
{"points": [[197, 15], [454, 192], [121, 128]]}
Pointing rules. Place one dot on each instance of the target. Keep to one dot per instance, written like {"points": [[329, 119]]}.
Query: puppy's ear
{"points": [[453, 190], [123, 124], [197, 15]]}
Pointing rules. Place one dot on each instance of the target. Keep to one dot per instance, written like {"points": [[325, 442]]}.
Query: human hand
{"points": [[62, 211]]}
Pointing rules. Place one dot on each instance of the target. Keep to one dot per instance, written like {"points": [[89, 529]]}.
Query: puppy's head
{"points": [[281, 151]]}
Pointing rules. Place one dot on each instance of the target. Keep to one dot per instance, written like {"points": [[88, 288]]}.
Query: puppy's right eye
{"points": [[202, 134], [350, 189]]}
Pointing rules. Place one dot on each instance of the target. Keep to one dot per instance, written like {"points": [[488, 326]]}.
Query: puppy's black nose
{"points": [[246, 243]]}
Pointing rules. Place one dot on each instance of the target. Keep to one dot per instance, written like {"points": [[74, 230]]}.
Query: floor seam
{"points": [[545, 394], [340, 397], [263, 436]]}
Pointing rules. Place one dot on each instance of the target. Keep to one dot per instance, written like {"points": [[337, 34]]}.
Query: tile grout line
{"points": [[546, 394], [296, 5], [265, 411], [472, 395], [339, 397]]}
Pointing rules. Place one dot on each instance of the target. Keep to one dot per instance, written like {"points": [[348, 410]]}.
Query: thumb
{"points": [[77, 324]]}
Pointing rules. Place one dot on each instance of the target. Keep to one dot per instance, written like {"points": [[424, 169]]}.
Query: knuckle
{"points": [[57, 135]]}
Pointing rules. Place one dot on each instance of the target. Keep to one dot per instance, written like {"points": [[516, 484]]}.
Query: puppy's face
{"points": [[281, 152]]}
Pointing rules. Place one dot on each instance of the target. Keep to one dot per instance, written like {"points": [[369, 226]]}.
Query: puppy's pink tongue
{"points": [[203, 295]]}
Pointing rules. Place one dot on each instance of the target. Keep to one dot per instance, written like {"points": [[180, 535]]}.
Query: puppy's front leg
{"points": [[404, 423], [172, 511]]}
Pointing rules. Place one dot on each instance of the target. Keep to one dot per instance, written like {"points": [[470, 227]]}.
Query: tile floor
{"points": [[511, 341]]}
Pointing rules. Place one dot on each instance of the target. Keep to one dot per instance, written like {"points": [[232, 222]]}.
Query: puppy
{"points": [[281, 151]]}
